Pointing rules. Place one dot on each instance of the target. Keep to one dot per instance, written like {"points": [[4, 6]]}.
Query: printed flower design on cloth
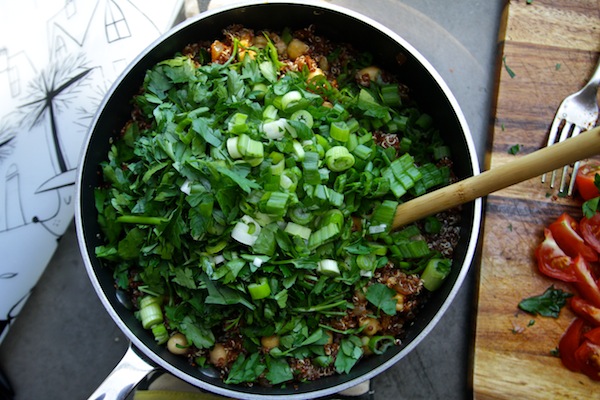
{"points": [[52, 79]]}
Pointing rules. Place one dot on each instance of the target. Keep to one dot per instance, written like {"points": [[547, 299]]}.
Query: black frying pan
{"points": [[339, 24]]}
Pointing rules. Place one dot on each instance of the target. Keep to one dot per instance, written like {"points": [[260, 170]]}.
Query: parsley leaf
{"points": [[350, 352], [201, 337], [382, 297], [246, 369], [279, 370], [590, 207], [514, 149], [547, 304]]}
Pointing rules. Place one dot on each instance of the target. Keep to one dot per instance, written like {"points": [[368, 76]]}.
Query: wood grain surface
{"points": [[547, 50]]}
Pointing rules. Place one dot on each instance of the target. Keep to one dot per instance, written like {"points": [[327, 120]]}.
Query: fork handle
{"points": [[585, 145]]}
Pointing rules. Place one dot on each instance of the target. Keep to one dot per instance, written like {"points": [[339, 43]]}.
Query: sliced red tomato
{"points": [[552, 260], [565, 232], [593, 336], [585, 310], [569, 343], [584, 180], [588, 358], [586, 284], [590, 231]]}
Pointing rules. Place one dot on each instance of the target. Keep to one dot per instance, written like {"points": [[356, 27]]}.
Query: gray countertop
{"points": [[63, 344]]}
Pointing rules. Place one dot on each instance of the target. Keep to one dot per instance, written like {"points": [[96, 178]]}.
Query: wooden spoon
{"points": [[585, 145]]}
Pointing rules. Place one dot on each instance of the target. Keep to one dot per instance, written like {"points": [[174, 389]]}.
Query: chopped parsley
{"points": [[514, 149], [547, 304], [511, 73]]}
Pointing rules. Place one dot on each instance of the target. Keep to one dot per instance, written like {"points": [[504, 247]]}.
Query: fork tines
{"points": [[567, 130]]}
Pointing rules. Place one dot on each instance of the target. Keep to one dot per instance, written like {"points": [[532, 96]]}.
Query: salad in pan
{"points": [[247, 206]]}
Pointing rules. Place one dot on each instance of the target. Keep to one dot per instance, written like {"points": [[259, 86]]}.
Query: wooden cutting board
{"points": [[547, 49]]}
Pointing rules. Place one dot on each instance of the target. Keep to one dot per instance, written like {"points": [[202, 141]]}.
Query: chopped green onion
{"points": [[260, 89], [270, 113], [338, 158], [333, 216], [277, 163], [383, 217], [300, 216], [161, 335], [237, 123], [328, 267], [379, 344], [304, 117], [310, 166], [216, 248], [246, 231], [405, 144], [424, 121], [232, 148], [259, 290], [274, 203], [352, 142], [339, 131], [151, 315], [290, 99], [249, 148], [147, 300], [435, 272], [274, 129], [353, 125], [366, 261], [298, 151], [288, 180], [362, 151], [298, 230], [390, 95], [410, 249], [323, 235]]}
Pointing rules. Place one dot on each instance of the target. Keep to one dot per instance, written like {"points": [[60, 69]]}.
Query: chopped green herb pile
{"points": [[547, 304], [250, 201]]}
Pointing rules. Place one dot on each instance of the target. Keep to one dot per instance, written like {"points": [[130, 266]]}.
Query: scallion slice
{"points": [[150, 315], [259, 290], [232, 147], [435, 272], [237, 123], [328, 267], [274, 129], [246, 231], [339, 131], [290, 99], [338, 158], [298, 230], [303, 116]]}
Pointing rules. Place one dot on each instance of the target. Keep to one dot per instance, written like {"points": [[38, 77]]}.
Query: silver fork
{"points": [[578, 112]]}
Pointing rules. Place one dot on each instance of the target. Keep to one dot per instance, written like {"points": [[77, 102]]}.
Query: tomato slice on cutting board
{"points": [[565, 232], [569, 343], [593, 335], [585, 180], [585, 310], [552, 260], [586, 284], [588, 358], [590, 231]]}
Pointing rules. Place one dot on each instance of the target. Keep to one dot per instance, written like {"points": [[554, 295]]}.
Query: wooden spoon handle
{"points": [[585, 145]]}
